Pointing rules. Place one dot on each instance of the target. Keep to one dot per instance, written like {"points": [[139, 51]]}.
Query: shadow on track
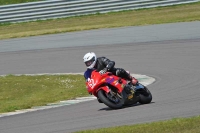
{"points": [[127, 106]]}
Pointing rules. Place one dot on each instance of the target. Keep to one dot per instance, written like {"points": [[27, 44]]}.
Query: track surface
{"points": [[170, 53]]}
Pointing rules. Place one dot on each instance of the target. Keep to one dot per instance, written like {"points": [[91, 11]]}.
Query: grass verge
{"points": [[22, 92], [176, 125], [180, 13]]}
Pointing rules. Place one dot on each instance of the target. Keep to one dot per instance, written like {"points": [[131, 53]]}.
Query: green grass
{"points": [[22, 92], [6, 2], [180, 13], [178, 125]]}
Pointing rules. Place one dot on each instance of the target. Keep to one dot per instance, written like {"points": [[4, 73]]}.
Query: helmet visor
{"points": [[88, 63]]}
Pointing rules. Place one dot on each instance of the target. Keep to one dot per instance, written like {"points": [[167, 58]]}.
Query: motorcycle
{"points": [[116, 92]]}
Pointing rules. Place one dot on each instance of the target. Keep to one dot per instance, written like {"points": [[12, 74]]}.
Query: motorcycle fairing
{"points": [[98, 81]]}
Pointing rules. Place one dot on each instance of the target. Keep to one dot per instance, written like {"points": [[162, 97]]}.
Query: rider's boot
{"points": [[133, 80], [126, 75]]}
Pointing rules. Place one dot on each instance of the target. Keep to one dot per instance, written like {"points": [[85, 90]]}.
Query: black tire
{"points": [[147, 98], [103, 97]]}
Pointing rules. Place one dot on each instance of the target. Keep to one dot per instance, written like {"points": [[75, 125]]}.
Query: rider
{"points": [[103, 65]]}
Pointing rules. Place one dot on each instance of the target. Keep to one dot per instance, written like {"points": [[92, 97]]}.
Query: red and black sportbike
{"points": [[116, 92]]}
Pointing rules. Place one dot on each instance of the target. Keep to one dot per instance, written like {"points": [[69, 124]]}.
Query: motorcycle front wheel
{"points": [[112, 101]]}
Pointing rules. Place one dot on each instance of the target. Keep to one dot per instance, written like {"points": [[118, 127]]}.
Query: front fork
{"points": [[111, 95]]}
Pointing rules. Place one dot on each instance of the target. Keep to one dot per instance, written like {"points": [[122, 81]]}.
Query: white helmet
{"points": [[90, 60]]}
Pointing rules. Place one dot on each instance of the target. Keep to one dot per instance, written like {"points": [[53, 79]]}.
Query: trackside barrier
{"points": [[51, 9]]}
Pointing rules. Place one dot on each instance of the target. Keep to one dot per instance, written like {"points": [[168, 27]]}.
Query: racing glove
{"points": [[103, 71]]}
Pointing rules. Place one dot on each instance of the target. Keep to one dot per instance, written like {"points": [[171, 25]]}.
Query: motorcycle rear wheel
{"points": [[103, 96], [147, 98]]}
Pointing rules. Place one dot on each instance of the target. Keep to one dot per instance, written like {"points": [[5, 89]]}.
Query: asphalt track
{"points": [[169, 52]]}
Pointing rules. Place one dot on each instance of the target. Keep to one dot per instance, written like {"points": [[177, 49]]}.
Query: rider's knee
{"points": [[120, 72]]}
